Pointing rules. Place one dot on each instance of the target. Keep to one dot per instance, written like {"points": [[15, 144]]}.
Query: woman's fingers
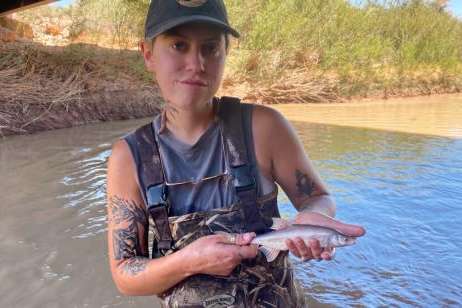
{"points": [[318, 219], [235, 238], [315, 249], [245, 238], [292, 248], [328, 254], [303, 249], [297, 246], [300, 249], [240, 244], [247, 252], [348, 229], [309, 250]]}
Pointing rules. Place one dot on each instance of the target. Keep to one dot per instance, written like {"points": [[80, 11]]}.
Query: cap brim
{"points": [[193, 18]]}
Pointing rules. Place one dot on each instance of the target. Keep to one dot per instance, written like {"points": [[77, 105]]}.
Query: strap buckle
{"points": [[243, 180], [156, 195], [158, 207]]}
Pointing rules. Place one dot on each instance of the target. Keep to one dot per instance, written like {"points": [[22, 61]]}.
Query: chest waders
{"points": [[254, 283]]}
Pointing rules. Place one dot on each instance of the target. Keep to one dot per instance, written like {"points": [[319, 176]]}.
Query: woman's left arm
{"points": [[290, 167]]}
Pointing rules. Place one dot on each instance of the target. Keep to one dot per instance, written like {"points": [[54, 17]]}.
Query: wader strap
{"points": [[230, 114], [153, 178]]}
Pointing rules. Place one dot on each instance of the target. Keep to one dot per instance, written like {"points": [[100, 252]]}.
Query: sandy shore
{"points": [[436, 115], [413, 115]]}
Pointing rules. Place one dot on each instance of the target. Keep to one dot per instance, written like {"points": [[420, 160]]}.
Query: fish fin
{"points": [[279, 223], [270, 253]]}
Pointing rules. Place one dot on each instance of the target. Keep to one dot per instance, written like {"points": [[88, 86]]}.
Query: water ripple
{"points": [[405, 189]]}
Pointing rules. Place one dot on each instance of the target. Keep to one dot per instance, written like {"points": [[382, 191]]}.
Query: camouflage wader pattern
{"points": [[253, 283]]}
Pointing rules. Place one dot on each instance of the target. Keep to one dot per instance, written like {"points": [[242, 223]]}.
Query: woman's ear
{"points": [[146, 50]]}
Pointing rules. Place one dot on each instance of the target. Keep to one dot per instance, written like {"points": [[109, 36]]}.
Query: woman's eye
{"points": [[179, 46], [210, 49]]}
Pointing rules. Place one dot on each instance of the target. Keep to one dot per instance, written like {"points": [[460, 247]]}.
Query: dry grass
{"points": [[45, 88], [27, 83], [298, 87]]}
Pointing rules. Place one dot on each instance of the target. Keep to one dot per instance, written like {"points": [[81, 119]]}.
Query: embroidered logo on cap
{"points": [[191, 3]]}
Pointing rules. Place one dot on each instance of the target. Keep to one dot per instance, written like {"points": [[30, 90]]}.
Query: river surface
{"points": [[402, 182]]}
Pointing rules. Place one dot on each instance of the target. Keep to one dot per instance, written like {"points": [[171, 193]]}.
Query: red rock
{"points": [[52, 30], [7, 35]]}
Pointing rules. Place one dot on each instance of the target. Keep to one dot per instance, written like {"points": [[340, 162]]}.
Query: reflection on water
{"points": [[406, 189], [52, 219], [436, 115]]}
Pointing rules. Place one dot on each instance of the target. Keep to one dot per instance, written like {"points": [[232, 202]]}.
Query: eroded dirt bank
{"points": [[44, 88]]}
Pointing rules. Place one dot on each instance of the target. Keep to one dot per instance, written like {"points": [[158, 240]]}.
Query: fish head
{"points": [[340, 240]]}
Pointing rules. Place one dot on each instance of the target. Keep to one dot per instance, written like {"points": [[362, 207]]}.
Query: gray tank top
{"points": [[197, 175]]}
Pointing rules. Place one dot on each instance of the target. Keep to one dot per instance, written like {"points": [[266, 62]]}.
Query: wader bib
{"points": [[253, 283]]}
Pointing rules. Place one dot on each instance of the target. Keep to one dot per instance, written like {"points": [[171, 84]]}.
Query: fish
{"points": [[271, 243]]}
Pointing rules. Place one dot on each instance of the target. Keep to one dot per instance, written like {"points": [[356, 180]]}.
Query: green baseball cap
{"points": [[164, 15]]}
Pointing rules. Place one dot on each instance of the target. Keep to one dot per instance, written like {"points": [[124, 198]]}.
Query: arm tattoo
{"points": [[305, 185], [135, 265], [129, 234]]}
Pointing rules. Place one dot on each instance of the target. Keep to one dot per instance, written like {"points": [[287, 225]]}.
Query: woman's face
{"points": [[188, 64]]}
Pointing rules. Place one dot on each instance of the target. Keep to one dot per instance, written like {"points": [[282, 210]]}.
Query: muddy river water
{"points": [[394, 167]]}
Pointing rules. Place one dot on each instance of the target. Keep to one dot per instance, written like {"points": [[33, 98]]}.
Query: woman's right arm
{"points": [[133, 271]]}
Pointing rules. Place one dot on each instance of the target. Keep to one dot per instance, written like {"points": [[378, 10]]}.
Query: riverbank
{"points": [[52, 87], [376, 49], [330, 52]]}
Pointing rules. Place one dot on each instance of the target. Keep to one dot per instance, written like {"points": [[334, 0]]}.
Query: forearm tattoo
{"points": [[305, 186], [129, 234], [135, 265]]}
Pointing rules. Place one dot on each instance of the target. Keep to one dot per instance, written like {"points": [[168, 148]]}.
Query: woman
{"points": [[207, 165]]}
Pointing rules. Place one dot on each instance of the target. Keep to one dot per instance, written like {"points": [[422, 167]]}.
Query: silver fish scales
{"points": [[271, 243]]}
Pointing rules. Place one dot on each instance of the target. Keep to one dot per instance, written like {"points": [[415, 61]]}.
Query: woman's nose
{"points": [[196, 61]]}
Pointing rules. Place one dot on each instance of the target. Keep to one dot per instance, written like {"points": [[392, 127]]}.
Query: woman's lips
{"points": [[197, 83]]}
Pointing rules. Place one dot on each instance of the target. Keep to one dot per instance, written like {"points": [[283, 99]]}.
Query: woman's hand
{"points": [[312, 249], [219, 254]]}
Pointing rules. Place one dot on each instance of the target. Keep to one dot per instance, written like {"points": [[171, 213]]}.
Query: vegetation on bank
{"points": [[337, 49], [396, 47], [44, 88], [290, 51]]}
